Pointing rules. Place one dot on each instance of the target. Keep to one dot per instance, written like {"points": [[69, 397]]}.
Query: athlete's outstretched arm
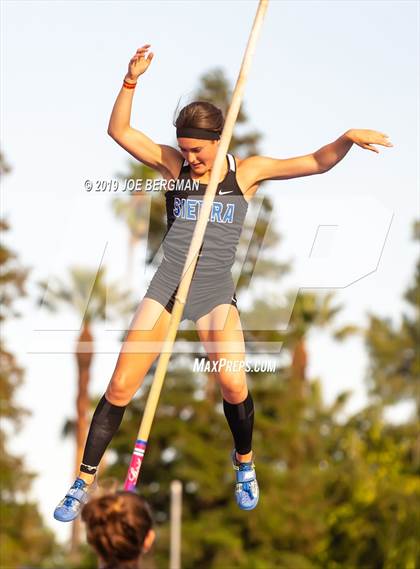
{"points": [[259, 168], [160, 157]]}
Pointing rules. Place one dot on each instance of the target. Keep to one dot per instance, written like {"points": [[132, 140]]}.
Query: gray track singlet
{"points": [[212, 283], [223, 229]]}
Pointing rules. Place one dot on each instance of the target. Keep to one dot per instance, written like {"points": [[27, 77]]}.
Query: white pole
{"points": [[176, 513]]}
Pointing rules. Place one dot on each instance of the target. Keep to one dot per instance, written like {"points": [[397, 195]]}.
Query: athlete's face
{"points": [[200, 154]]}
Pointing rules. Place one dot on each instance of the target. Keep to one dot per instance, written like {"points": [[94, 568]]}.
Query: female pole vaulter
{"points": [[211, 301]]}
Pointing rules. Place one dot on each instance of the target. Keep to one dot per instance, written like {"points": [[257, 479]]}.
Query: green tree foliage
{"points": [[394, 349], [23, 536], [372, 490], [376, 493]]}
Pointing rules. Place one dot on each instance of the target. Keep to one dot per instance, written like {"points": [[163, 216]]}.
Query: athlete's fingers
{"points": [[382, 140], [376, 137], [150, 56], [142, 49], [369, 147], [138, 55], [385, 143]]}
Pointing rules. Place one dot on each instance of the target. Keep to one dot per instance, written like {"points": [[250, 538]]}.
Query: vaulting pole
{"points": [[192, 257]]}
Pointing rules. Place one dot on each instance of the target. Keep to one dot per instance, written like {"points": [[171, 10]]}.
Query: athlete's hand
{"points": [[365, 138], [139, 62]]}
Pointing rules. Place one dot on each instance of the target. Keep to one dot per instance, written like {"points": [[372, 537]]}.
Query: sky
{"points": [[320, 69]]}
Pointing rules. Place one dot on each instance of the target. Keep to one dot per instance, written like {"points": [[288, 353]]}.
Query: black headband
{"points": [[203, 133]]}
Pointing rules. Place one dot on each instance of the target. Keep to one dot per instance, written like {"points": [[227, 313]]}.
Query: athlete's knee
{"points": [[122, 388], [233, 387]]}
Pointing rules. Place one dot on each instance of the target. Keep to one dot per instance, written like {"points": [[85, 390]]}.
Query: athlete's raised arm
{"points": [[258, 168], [165, 159]]}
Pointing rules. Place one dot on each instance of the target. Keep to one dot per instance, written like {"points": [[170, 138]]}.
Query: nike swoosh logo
{"points": [[223, 193]]}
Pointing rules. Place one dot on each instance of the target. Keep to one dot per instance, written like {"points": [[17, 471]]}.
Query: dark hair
{"points": [[116, 526], [200, 114]]}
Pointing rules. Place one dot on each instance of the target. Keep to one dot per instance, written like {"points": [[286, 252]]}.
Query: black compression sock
{"points": [[105, 423], [240, 417]]}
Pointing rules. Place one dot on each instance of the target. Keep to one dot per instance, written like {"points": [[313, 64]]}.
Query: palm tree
{"points": [[86, 293], [309, 311]]}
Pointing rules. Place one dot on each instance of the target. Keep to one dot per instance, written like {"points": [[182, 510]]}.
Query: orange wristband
{"points": [[128, 85]]}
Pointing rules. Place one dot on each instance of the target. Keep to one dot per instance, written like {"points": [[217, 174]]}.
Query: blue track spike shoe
{"points": [[71, 505], [246, 490]]}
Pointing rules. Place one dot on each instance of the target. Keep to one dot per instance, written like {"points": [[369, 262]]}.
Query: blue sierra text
{"points": [[190, 209]]}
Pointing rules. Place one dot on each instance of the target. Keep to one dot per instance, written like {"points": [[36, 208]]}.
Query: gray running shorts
{"points": [[206, 290]]}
